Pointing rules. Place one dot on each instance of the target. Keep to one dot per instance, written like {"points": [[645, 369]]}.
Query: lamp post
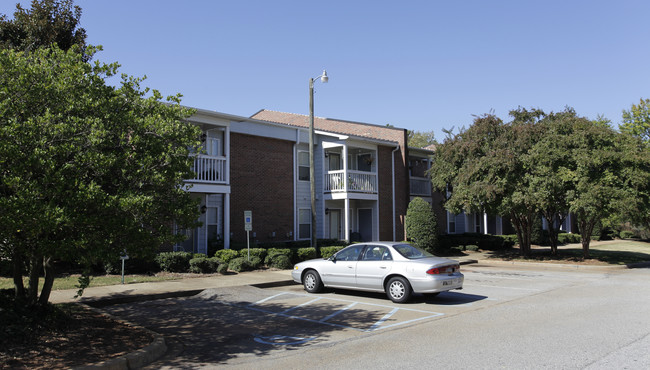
{"points": [[312, 182]]}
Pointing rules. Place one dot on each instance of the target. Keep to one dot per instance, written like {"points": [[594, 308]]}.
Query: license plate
{"points": [[449, 282]]}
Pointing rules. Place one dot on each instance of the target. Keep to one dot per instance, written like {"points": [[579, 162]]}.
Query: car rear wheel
{"points": [[398, 289], [311, 281]]}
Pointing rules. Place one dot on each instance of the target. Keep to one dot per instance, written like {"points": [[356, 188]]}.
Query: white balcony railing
{"points": [[358, 181], [420, 186], [209, 169]]}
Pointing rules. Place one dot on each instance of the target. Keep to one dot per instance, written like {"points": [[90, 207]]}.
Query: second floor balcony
{"points": [[420, 186], [351, 181], [209, 169]]}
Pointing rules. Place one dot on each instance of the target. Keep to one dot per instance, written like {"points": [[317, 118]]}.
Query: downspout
{"points": [[392, 159]]}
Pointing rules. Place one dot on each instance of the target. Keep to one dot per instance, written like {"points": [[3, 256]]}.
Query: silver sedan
{"points": [[399, 269]]}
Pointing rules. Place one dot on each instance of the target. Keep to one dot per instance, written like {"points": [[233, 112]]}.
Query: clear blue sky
{"points": [[421, 65]]}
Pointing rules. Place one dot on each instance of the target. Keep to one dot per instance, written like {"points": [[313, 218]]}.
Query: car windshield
{"points": [[411, 252]]}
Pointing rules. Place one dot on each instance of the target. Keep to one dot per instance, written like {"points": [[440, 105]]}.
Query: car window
{"points": [[350, 253], [376, 253], [411, 252]]}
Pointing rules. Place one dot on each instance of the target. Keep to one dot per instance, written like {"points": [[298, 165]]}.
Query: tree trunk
{"points": [[586, 227], [49, 281], [523, 225], [19, 286], [34, 270], [552, 231]]}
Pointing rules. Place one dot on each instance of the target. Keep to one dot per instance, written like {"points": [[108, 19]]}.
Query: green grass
{"points": [[71, 282], [611, 252]]}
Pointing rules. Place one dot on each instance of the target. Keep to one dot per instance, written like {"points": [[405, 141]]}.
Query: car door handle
{"points": [[382, 267], [350, 267]]}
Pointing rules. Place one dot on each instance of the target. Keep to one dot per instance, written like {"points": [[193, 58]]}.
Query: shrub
{"points": [[627, 234], [204, 265], [472, 248], [304, 254], [273, 252], [254, 252], [327, 252], [222, 268], [239, 264], [174, 261], [483, 241], [565, 238], [280, 261], [421, 225], [226, 255]]}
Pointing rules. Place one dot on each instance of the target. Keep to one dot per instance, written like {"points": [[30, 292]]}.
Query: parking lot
{"points": [[237, 325]]}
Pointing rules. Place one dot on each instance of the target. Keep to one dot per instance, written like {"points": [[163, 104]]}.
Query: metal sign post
{"points": [[248, 226], [123, 257]]}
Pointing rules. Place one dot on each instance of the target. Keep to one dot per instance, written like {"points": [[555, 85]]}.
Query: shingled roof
{"points": [[360, 129]]}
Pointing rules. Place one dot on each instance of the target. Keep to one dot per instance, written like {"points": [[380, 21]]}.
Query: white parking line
{"points": [[302, 304], [376, 326], [381, 321], [338, 312]]}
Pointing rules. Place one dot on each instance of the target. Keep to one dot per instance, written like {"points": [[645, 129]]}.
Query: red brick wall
{"points": [[386, 158], [261, 178]]}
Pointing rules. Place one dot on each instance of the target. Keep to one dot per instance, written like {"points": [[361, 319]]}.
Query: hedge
{"points": [[174, 261], [204, 265]]}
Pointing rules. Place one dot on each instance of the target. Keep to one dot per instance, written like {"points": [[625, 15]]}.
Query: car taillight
{"points": [[443, 270]]}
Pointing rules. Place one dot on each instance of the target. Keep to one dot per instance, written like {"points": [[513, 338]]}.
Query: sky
{"points": [[422, 65]]}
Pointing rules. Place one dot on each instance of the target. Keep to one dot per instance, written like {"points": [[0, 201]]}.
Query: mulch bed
{"points": [[76, 336]]}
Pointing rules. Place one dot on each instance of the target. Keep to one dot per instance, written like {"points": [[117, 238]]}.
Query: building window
{"points": [[303, 166], [304, 223]]}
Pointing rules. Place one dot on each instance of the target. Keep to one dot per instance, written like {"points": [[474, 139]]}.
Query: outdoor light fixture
{"points": [[312, 182]]}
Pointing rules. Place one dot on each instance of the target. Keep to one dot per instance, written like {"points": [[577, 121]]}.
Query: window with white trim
{"points": [[303, 166]]}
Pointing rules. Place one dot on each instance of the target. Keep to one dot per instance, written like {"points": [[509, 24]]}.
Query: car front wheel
{"points": [[311, 282], [398, 289]]}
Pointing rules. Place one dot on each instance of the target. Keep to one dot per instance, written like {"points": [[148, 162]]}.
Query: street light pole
{"points": [[312, 176]]}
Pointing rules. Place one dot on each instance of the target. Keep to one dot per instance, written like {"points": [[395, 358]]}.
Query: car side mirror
{"points": [[332, 258]]}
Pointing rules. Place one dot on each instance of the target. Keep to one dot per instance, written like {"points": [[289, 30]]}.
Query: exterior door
{"points": [[365, 224], [335, 224]]}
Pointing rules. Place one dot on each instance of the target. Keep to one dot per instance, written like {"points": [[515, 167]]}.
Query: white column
{"points": [[485, 223], [346, 218]]}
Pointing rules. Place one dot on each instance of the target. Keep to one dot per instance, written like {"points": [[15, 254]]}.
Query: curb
{"points": [[134, 360], [551, 265]]}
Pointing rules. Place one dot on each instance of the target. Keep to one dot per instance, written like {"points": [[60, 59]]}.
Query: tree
{"points": [[47, 22], [549, 163], [611, 176], [417, 139], [481, 169], [421, 225], [88, 170], [636, 121]]}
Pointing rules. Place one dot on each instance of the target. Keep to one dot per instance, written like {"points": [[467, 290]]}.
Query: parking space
{"points": [[247, 321]]}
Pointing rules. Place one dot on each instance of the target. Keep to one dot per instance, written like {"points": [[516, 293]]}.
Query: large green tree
{"points": [[87, 170], [610, 177], [47, 22], [481, 170], [636, 120]]}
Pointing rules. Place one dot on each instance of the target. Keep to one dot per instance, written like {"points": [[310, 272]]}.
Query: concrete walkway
{"points": [[111, 294]]}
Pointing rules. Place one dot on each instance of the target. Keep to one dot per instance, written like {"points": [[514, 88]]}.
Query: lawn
{"points": [[609, 252], [71, 281]]}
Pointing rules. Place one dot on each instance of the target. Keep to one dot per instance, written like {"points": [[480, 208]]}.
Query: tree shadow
{"points": [[575, 255]]}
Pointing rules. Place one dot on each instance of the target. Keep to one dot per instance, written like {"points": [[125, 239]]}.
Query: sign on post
{"points": [[248, 226]]}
